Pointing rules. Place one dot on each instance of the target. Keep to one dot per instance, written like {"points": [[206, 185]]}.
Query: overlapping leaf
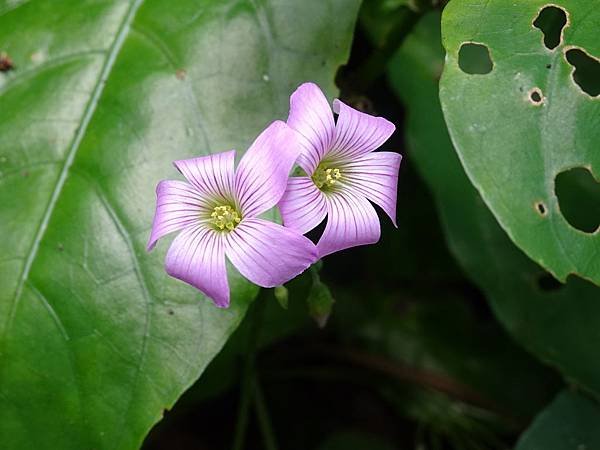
{"points": [[95, 339], [557, 323]]}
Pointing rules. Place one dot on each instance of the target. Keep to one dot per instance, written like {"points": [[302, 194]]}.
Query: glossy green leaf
{"points": [[569, 423], [558, 323], [95, 339], [530, 118]]}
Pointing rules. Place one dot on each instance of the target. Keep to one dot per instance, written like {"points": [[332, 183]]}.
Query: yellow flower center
{"points": [[326, 177], [225, 218]]}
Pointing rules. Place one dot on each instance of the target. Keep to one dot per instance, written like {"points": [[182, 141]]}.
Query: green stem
{"points": [[248, 381], [264, 421], [243, 411]]}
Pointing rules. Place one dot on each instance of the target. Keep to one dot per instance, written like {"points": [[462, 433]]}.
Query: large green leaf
{"points": [[95, 339], [569, 423], [557, 323], [513, 145]]}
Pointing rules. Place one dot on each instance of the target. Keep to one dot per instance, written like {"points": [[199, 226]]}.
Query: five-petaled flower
{"points": [[343, 172], [217, 212]]}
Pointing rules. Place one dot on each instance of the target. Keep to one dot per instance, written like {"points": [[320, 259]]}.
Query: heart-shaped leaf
{"points": [[570, 422], [95, 339], [558, 323], [528, 117]]}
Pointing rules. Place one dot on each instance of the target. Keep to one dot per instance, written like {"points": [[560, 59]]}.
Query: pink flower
{"points": [[343, 172], [217, 212]]}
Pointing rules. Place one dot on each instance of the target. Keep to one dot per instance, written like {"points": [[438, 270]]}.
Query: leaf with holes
{"points": [[558, 323], [520, 97], [570, 422], [95, 339]]}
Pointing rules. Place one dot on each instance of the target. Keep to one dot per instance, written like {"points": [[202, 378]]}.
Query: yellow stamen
{"points": [[225, 218], [326, 177]]}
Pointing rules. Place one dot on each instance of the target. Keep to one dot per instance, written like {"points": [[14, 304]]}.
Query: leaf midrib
{"points": [[89, 111]]}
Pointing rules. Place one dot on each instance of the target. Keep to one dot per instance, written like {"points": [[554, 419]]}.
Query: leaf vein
{"points": [[72, 151], [144, 286]]}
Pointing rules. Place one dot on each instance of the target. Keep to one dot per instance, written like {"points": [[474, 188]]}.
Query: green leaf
{"points": [[529, 119], [379, 17], [95, 339], [569, 423], [558, 323]]}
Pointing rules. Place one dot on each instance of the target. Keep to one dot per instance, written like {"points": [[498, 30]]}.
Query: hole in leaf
{"points": [[474, 59], [6, 63], [587, 71], [551, 20], [541, 208], [536, 96], [548, 283], [579, 198]]}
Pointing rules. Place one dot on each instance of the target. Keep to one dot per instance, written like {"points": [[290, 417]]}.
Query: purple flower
{"points": [[343, 172], [217, 212]]}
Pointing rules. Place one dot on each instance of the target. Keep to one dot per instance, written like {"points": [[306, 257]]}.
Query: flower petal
{"points": [[262, 174], [375, 176], [212, 175], [357, 133], [303, 205], [178, 205], [311, 116], [197, 256], [268, 254], [351, 221]]}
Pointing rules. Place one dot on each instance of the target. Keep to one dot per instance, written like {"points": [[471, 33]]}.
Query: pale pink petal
{"points": [[311, 116], [357, 133], [268, 254], [262, 174], [375, 176], [178, 204], [197, 256], [351, 221], [212, 175], [303, 205]]}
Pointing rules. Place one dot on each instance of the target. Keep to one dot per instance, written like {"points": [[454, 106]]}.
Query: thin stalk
{"points": [[243, 409], [248, 382], [264, 420]]}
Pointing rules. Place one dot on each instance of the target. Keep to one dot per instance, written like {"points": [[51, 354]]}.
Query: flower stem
{"points": [[243, 412], [264, 421], [248, 382]]}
